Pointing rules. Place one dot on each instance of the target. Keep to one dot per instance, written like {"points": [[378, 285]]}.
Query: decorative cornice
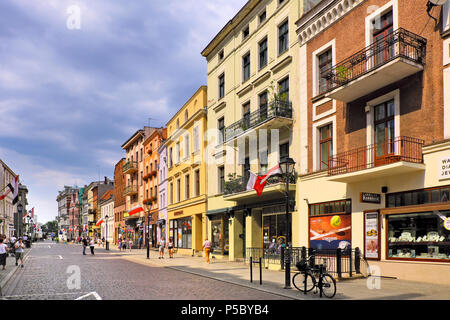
{"points": [[323, 16]]}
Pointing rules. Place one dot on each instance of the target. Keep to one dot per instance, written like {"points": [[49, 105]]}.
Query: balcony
{"points": [[235, 188], [388, 60], [277, 114], [130, 190], [130, 167], [398, 156]]}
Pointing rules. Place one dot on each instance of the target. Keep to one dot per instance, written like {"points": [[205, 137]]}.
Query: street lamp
{"points": [[106, 226], [149, 207], [287, 169]]}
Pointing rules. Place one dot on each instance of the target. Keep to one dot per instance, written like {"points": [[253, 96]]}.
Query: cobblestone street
{"points": [[49, 267]]}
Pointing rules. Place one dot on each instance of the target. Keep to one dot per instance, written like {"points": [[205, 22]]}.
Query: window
{"points": [[339, 206], [263, 161], [142, 152], [177, 153], [197, 182], [418, 197], [221, 175], [382, 36], [196, 139], [246, 115], [263, 53], [326, 145], [171, 192], [142, 175], [246, 67], [284, 150], [419, 235], [246, 169], [186, 116], [222, 86], [263, 105], [221, 128], [384, 129], [245, 32], [186, 146], [262, 17], [187, 188], [178, 190], [283, 87], [220, 55], [283, 37], [325, 65], [170, 157], [178, 123], [280, 2]]}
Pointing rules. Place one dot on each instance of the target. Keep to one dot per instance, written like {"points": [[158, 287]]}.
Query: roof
{"points": [[108, 195], [230, 26]]}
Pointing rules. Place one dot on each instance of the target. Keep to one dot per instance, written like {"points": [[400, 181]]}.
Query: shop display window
{"points": [[181, 231], [219, 240], [418, 197], [274, 228], [424, 235]]}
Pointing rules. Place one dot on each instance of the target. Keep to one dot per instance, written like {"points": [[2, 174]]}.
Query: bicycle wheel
{"points": [[328, 286], [299, 282]]}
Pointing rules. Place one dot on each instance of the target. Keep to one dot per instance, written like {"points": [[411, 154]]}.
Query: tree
{"points": [[50, 226]]}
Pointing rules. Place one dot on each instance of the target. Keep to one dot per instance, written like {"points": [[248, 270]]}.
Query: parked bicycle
{"points": [[311, 276]]}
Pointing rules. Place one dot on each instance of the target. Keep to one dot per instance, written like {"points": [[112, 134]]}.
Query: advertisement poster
{"points": [[371, 234], [330, 232]]}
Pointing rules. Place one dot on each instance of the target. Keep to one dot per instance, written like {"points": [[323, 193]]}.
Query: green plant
{"points": [[342, 73], [233, 184]]}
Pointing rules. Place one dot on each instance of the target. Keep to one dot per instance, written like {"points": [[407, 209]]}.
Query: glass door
{"points": [[384, 132], [382, 36]]}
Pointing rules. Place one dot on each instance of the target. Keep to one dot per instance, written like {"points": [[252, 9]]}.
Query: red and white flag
{"points": [[258, 182], [99, 222], [85, 227], [14, 188], [135, 210]]}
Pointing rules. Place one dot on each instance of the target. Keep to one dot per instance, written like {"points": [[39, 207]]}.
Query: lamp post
{"points": [[149, 207], [106, 232], [287, 169]]}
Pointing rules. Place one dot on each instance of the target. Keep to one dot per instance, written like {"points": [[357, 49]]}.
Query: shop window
{"points": [[219, 236], [340, 206], [274, 231], [417, 197], [181, 232], [424, 235]]}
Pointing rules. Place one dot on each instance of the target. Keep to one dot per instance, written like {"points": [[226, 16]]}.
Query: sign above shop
{"points": [[370, 197], [444, 168], [176, 213]]}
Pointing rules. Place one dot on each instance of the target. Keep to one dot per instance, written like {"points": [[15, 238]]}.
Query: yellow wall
{"points": [[193, 205]]}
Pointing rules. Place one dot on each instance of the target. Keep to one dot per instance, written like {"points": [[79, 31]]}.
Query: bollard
{"points": [[357, 260], [260, 270], [339, 262], [282, 258], [251, 271]]}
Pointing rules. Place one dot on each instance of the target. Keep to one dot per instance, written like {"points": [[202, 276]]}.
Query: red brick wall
{"points": [[421, 95]]}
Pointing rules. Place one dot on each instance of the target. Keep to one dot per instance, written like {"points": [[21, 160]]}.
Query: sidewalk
{"points": [[273, 281], [11, 268]]}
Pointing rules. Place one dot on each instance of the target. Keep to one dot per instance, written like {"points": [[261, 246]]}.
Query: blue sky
{"points": [[69, 98]]}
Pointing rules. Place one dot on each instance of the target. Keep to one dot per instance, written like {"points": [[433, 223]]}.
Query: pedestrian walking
{"points": [[140, 242], [170, 247], [120, 244], [92, 245], [162, 244], [207, 248], [103, 241], [19, 246], [3, 252], [85, 244], [124, 244], [130, 244]]}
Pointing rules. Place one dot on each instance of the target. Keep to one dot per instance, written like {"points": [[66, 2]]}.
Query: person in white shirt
{"points": [[19, 246], [3, 251]]}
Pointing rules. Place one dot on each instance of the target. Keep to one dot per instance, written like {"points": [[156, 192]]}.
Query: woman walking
{"points": [[19, 246], [162, 244], [92, 245], [170, 247], [3, 251], [130, 244]]}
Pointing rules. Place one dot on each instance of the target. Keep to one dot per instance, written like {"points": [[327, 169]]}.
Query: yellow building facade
{"points": [[187, 174], [253, 96]]}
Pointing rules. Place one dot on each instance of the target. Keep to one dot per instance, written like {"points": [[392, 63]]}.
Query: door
{"points": [[246, 170], [384, 133], [382, 36]]}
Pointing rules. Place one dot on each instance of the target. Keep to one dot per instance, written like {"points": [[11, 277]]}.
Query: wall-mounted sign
{"points": [[444, 168], [176, 213], [370, 197], [371, 235]]}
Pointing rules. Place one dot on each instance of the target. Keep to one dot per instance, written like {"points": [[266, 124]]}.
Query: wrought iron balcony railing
{"points": [[130, 166], [129, 190], [400, 43], [237, 183], [374, 155], [276, 108]]}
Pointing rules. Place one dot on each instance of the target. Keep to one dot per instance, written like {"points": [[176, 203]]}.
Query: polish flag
{"points": [[135, 210], [258, 182], [99, 222], [14, 188], [85, 227]]}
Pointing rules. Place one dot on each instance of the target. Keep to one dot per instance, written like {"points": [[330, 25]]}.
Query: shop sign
{"points": [[370, 197], [371, 234], [177, 213], [443, 168]]}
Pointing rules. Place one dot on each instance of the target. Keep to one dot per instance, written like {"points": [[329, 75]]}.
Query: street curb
{"points": [[235, 283], [10, 274]]}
